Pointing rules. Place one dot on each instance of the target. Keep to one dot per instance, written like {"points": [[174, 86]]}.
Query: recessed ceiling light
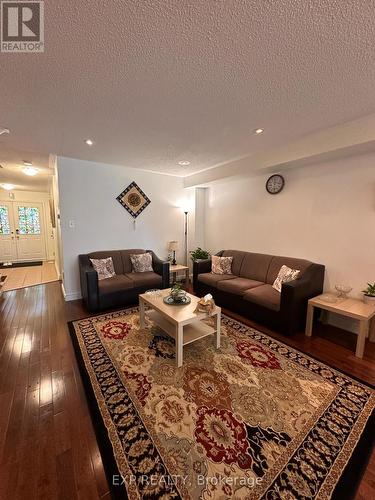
{"points": [[27, 163], [89, 142], [31, 171], [8, 187], [258, 131], [184, 163]]}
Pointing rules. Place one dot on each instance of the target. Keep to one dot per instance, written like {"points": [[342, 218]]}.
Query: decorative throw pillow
{"points": [[104, 268], [285, 274], [221, 265], [141, 263]]}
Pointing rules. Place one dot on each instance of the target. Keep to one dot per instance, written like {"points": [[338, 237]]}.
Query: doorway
{"points": [[22, 231]]}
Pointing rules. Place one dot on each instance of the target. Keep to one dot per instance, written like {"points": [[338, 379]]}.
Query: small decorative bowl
{"points": [[343, 290]]}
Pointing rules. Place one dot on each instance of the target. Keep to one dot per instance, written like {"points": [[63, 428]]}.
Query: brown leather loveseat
{"points": [[249, 290], [124, 288]]}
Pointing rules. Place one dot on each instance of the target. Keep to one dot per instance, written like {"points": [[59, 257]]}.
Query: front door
{"points": [[29, 227], [21, 232], [8, 248]]}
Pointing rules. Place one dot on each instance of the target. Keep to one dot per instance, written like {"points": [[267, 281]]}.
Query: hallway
{"points": [[21, 277]]}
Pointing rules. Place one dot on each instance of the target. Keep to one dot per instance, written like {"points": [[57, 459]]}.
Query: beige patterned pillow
{"points": [[285, 274], [104, 268], [141, 263], [221, 265]]}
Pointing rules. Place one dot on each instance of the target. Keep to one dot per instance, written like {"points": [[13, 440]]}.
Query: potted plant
{"points": [[177, 293], [369, 293], [199, 254]]}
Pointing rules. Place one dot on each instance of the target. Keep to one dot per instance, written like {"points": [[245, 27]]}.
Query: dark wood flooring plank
{"points": [[48, 448]]}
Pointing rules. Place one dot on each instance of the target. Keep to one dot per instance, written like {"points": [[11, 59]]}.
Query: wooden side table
{"points": [[175, 269], [351, 308], [2, 281]]}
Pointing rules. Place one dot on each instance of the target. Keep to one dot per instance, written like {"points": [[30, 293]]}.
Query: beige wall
{"points": [[326, 213], [92, 219]]}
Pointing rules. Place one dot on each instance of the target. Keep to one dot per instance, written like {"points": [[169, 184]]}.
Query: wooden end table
{"points": [[351, 308], [180, 322], [175, 269], [2, 281]]}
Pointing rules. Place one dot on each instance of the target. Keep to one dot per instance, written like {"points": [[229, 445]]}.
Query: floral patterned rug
{"points": [[253, 419]]}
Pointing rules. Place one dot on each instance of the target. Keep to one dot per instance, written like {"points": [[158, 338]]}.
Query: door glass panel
{"points": [[4, 220], [28, 220]]}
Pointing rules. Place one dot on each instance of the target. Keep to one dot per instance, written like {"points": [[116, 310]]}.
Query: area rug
{"points": [[253, 419]]}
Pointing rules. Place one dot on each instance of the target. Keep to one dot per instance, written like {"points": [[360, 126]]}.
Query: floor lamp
{"points": [[186, 239]]}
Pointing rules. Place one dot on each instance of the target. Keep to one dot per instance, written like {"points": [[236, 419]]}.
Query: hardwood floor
{"points": [[48, 448]]}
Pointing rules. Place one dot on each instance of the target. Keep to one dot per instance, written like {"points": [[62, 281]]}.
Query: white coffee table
{"points": [[180, 322], [349, 307]]}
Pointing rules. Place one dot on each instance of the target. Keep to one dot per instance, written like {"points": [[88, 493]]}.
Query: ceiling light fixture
{"points": [[258, 131], [27, 163], [31, 171], [4, 131], [7, 187], [89, 142], [184, 163]]}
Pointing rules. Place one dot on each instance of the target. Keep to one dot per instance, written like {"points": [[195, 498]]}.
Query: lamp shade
{"points": [[173, 246]]}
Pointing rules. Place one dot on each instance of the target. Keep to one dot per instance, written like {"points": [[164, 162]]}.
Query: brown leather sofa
{"points": [[124, 288], [249, 290]]}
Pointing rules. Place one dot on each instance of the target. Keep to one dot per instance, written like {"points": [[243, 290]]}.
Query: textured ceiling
{"points": [[11, 165], [155, 82]]}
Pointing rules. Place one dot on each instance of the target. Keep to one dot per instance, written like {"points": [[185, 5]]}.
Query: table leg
{"points": [[363, 328], [371, 335], [187, 278], [309, 320], [142, 322], [218, 329], [179, 345]]}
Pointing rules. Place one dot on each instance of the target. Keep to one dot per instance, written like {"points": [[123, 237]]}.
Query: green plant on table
{"points": [[370, 290], [199, 254]]}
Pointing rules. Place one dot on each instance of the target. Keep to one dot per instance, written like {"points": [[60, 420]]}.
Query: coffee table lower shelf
{"points": [[191, 332]]}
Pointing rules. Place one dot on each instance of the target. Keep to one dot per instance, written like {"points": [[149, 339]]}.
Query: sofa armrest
{"points": [[200, 266], [310, 285], [162, 268], [89, 283], [295, 295]]}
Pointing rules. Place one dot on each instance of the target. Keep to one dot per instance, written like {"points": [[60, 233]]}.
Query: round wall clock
{"points": [[275, 184]]}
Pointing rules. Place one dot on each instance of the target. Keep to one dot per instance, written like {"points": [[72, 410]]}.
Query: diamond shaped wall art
{"points": [[133, 199]]}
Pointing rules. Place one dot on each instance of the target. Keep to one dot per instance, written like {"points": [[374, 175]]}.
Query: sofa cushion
{"points": [[115, 284], [126, 262], [264, 295], [141, 262], [221, 265], [104, 268], [237, 259], [146, 279], [238, 286], [213, 279], [255, 266], [105, 254], [278, 262]]}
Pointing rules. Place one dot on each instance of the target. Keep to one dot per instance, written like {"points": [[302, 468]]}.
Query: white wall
{"points": [[326, 213], [88, 194]]}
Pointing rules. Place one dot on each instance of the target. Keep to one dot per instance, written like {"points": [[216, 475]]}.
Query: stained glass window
{"points": [[4, 220], [29, 220]]}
